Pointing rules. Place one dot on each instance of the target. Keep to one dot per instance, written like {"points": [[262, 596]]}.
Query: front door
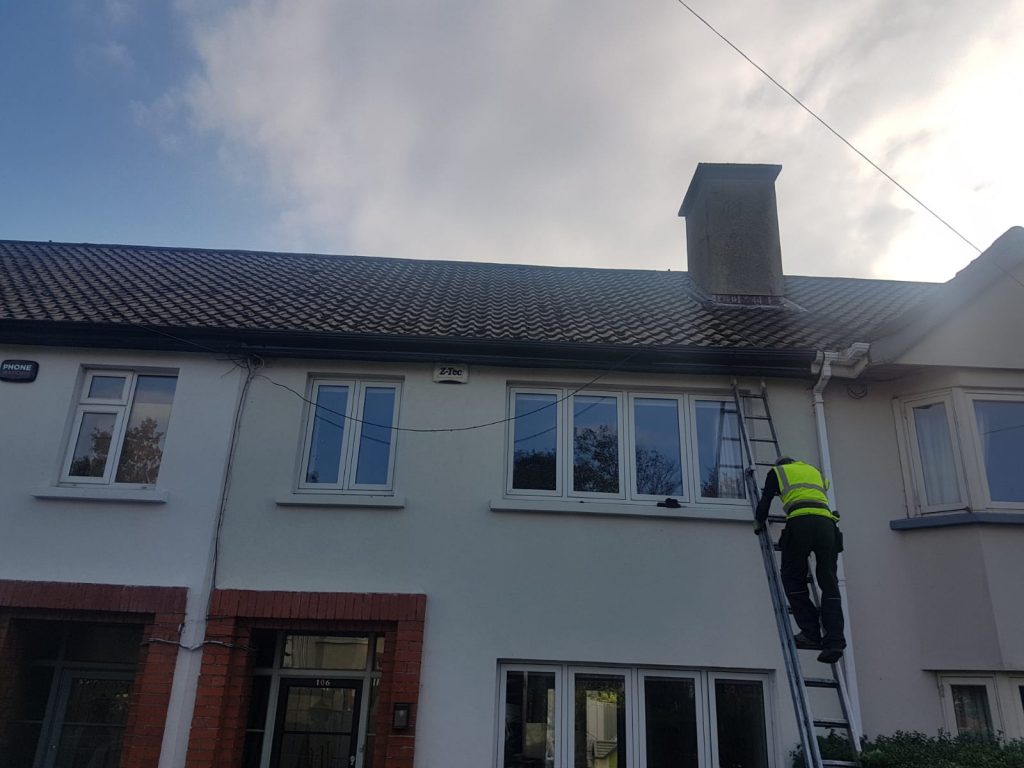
{"points": [[317, 723]]}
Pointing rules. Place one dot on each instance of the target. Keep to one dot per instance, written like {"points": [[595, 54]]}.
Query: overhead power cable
{"points": [[832, 130]]}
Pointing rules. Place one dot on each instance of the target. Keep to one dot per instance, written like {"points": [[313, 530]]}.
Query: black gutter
{"points": [[384, 348]]}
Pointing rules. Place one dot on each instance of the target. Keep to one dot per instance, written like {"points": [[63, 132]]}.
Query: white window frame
{"points": [[701, 700], [769, 717], [625, 400], [121, 408], [685, 465], [946, 692], [694, 450], [635, 679], [349, 456], [919, 494], [570, 447], [974, 443], [510, 436]]}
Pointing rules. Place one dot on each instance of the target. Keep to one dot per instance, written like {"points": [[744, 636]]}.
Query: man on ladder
{"points": [[811, 526]]}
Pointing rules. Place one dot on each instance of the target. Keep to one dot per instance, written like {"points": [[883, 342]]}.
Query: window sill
{"points": [[957, 518], [338, 500], [102, 494], [726, 513]]}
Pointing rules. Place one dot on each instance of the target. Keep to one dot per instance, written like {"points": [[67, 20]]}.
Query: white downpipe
{"points": [[852, 356], [185, 685]]}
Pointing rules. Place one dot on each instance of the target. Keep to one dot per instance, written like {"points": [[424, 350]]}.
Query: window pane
{"points": [[329, 710], [595, 444], [107, 387], [116, 643], [93, 445], [739, 707], [325, 652], [600, 732], [670, 714], [324, 462], [529, 720], [719, 451], [534, 455], [658, 470], [970, 705], [375, 436], [1001, 428], [147, 428], [935, 448], [89, 747], [94, 701]]}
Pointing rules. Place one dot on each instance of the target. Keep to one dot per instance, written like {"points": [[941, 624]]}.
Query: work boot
{"points": [[807, 642], [830, 655]]}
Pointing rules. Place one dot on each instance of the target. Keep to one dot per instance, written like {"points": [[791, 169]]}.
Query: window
{"points": [[566, 716], [999, 426], [69, 696], [349, 440], [969, 705], [623, 445], [965, 448], [120, 428]]}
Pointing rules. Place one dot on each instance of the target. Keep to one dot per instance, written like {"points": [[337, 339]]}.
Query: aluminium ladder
{"points": [[748, 418]]}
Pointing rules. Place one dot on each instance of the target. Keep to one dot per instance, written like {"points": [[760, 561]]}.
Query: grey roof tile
{"points": [[193, 288]]}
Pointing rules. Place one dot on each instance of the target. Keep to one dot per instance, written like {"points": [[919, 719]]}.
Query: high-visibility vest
{"points": [[803, 490]]}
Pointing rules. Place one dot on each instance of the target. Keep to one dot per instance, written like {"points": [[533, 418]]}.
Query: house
{"points": [[268, 508]]}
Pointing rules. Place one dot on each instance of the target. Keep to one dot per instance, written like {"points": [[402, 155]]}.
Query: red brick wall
{"points": [[222, 701], [161, 611]]}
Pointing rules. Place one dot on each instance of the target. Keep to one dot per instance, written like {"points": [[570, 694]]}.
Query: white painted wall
{"points": [[922, 600], [503, 585], [117, 542]]}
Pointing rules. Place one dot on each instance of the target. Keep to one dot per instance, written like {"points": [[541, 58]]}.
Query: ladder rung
{"points": [[820, 682], [834, 724], [749, 396], [777, 546], [839, 763], [776, 518], [757, 418], [765, 463], [730, 466]]}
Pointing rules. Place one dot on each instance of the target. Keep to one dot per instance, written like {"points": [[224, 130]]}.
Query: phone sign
{"points": [[19, 370]]}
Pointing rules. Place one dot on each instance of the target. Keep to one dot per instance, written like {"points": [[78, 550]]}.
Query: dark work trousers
{"points": [[803, 535]]}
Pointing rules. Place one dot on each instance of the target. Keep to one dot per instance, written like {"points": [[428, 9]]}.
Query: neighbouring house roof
{"points": [[63, 293]]}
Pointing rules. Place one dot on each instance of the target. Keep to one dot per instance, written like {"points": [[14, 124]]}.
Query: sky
{"points": [[557, 133]]}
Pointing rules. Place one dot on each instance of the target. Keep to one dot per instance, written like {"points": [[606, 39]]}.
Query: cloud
{"points": [[565, 133]]}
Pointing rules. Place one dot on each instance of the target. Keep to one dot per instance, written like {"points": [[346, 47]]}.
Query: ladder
{"points": [[753, 414]]}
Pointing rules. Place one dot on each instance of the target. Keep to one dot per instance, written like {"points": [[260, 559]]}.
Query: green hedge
{"points": [[916, 750]]}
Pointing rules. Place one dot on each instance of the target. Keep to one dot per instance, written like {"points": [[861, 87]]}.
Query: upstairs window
{"points": [[965, 449], [349, 439], [120, 427], [619, 445]]}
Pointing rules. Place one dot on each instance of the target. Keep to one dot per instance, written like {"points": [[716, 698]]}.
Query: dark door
{"points": [[317, 724]]}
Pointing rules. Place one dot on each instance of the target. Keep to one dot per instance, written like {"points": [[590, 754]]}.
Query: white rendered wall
{"points": [[117, 542], [546, 586]]}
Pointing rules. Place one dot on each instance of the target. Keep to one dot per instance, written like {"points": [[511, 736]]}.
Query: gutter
{"points": [[847, 365], [790, 363]]}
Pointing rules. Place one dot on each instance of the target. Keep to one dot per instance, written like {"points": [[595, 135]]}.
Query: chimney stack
{"points": [[732, 233]]}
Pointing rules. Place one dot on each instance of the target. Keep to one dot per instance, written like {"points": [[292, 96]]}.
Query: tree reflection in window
{"points": [[595, 444]]}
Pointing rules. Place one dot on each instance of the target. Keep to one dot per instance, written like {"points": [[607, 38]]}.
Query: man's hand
{"points": [[758, 527]]}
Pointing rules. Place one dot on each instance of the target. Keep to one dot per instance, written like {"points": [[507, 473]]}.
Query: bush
{"points": [[916, 750]]}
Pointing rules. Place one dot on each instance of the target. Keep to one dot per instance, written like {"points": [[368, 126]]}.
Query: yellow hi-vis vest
{"points": [[802, 489]]}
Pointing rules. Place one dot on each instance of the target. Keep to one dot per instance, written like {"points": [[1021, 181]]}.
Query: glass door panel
{"points": [[317, 724], [91, 715], [599, 731], [670, 723]]}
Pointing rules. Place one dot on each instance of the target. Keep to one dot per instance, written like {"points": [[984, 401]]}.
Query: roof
{"points": [[187, 288]]}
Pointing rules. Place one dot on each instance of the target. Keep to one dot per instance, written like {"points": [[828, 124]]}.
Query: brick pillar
{"points": [[151, 692], [8, 654], [218, 722], [397, 747]]}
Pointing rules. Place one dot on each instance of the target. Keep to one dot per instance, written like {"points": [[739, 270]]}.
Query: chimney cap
{"points": [[742, 171]]}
